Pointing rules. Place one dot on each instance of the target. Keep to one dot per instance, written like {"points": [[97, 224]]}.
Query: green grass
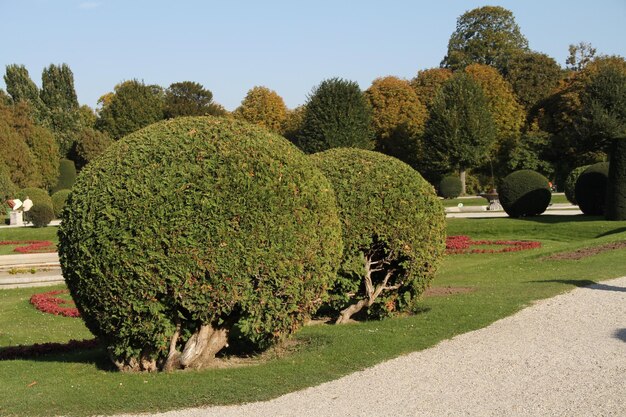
{"points": [[25, 233], [82, 383], [480, 201]]}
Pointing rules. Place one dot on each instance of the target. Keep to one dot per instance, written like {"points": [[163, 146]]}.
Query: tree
{"points": [[59, 96], [398, 118], [130, 107], [428, 82], [486, 35], [188, 98], [337, 115], [17, 157], [579, 56], [293, 123], [263, 107], [460, 133], [533, 77], [22, 88], [87, 116], [90, 143]]}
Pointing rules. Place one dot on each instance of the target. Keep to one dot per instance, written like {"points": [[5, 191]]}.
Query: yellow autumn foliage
{"points": [[263, 107]]}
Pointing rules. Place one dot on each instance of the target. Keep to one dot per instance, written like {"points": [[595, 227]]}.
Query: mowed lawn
{"points": [[83, 382]]}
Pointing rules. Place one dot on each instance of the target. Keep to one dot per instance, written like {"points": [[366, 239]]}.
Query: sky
{"points": [[288, 46]]}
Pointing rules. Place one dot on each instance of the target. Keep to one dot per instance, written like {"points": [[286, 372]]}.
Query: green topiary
{"points": [[524, 193], [58, 201], [570, 183], [450, 187], [616, 186], [590, 189], [67, 175], [40, 215], [393, 231], [192, 226]]}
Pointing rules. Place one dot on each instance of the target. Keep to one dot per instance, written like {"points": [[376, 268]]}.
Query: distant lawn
{"points": [[83, 383], [480, 201], [26, 233]]}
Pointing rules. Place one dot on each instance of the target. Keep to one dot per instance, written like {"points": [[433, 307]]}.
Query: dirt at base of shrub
{"points": [[585, 252]]}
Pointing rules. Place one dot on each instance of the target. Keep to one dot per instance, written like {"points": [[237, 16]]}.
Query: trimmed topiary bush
{"points": [[590, 189], [393, 232], [58, 201], [616, 185], [450, 187], [570, 183], [39, 197], [192, 227], [40, 215], [524, 193], [67, 175]]}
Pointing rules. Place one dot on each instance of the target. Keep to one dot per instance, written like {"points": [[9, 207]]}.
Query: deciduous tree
{"points": [[533, 77], [428, 82], [263, 107], [190, 98]]}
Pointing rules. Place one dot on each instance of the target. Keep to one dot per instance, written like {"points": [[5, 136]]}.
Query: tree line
{"points": [[492, 106]]}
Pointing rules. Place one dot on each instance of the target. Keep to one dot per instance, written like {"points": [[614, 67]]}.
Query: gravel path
{"points": [[565, 356]]}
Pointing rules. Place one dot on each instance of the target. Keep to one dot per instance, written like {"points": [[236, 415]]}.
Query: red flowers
{"points": [[461, 244], [47, 302], [31, 246]]}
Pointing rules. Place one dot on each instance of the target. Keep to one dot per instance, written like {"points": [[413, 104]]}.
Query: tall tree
{"points": [[398, 118], [263, 107], [486, 35], [533, 77], [460, 133], [337, 115], [59, 96], [428, 82], [22, 88], [579, 56], [130, 107], [293, 123], [188, 98]]}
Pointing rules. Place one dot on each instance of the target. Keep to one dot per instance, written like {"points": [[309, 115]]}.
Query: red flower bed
{"points": [[31, 246], [38, 349], [462, 244], [47, 302]]}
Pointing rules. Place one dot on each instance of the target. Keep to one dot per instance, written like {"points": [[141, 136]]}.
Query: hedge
{"points": [[524, 193]]}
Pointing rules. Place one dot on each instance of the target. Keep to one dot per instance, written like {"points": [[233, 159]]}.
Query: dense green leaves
{"points": [[388, 212], [591, 187], [189, 98], [198, 221], [616, 186], [263, 107], [336, 115], [67, 175]]}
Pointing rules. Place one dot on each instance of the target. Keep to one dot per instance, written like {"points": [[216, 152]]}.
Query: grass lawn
{"points": [[83, 383], [25, 233]]}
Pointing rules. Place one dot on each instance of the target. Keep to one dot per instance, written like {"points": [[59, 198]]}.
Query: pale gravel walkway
{"points": [[565, 356]]}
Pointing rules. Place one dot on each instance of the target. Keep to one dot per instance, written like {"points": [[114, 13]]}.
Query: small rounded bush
{"points": [[58, 202], [524, 193], [191, 227], [393, 223], [450, 187], [40, 215], [570, 183], [590, 189], [39, 197], [67, 175]]}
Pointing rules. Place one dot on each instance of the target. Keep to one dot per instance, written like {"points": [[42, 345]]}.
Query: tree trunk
{"points": [[346, 313], [201, 348], [462, 177]]}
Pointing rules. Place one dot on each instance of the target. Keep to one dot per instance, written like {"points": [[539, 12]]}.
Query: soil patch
{"points": [[585, 252], [445, 291]]}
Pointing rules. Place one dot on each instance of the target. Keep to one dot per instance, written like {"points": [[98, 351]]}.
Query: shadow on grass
{"points": [[546, 218], [83, 351], [584, 283], [612, 232], [620, 334]]}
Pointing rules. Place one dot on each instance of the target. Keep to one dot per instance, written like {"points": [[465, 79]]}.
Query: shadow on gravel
{"points": [[585, 283], [620, 334]]}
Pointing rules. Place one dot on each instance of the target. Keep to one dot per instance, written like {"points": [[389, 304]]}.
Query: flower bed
{"points": [[461, 244], [31, 246], [46, 302]]}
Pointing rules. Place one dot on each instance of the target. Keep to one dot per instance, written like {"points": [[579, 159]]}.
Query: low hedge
{"points": [[590, 189], [190, 228], [393, 232], [524, 193]]}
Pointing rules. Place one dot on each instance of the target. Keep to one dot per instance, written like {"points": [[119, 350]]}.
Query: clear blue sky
{"points": [[288, 46]]}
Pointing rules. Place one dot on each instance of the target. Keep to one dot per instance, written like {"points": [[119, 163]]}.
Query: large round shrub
{"points": [[590, 189], [192, 226], [570, 183], [58, 201], [524, 193], [393, 231], [450, 187], [40, 215]]}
